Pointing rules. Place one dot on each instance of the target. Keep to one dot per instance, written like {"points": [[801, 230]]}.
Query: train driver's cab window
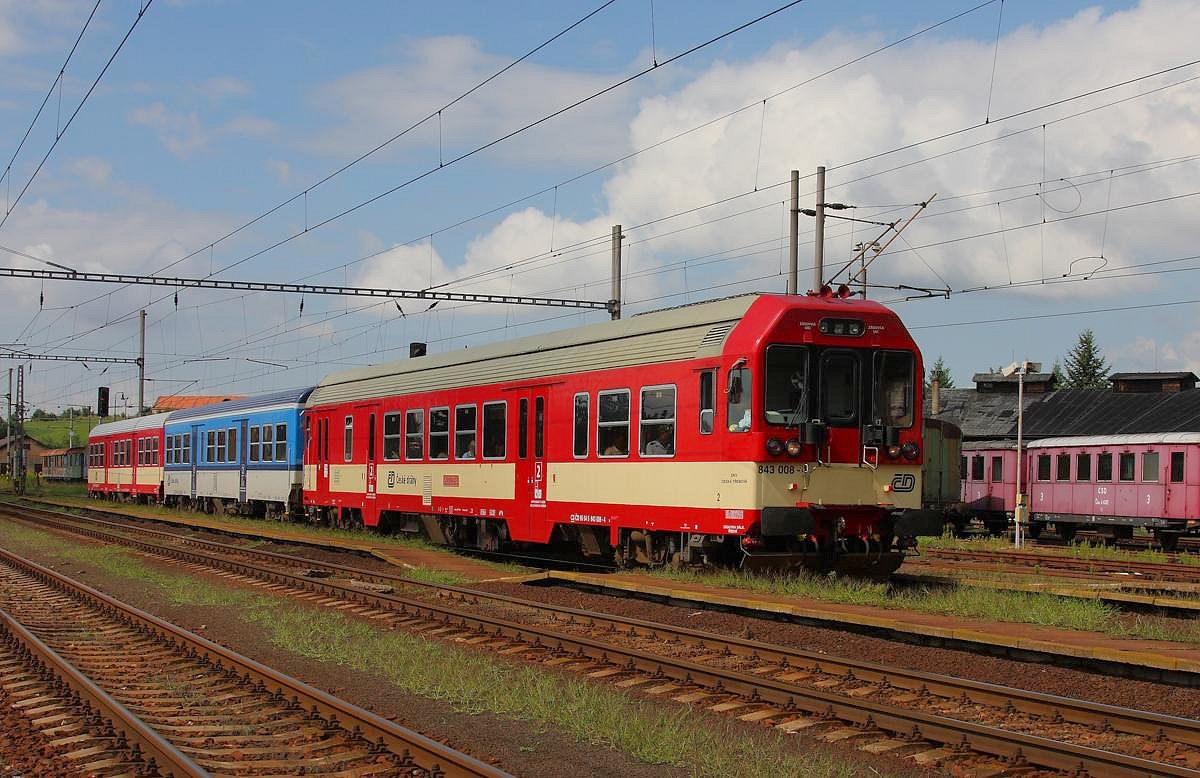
{"points": [[391, 436], [347, 439], [612, 423], [708, 401], [1128, 460], [997, 468], [657, 428], [894, 386], [839, 388], [1063, 468], [580, 418], [1083, 467], [1043, 467], [495, 429], [414, 434], [977, 467], [737, 406], [1150, 467], [464, 432], [786, 385], [1176, 467], [439, 433], [1104, 467]]}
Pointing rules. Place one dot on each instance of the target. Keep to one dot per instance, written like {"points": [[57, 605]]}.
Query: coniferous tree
{"points": [[941, 373], [1086, 366], [1060, 380]]}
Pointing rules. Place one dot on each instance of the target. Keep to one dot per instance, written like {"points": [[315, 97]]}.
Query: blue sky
{"points": [[214, 112]]}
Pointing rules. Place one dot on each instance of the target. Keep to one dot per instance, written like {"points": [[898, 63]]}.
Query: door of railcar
{"points": [[1175, 501], [321, 447], [1152, 486], [531, 463], [368, 417], [243, 455]]}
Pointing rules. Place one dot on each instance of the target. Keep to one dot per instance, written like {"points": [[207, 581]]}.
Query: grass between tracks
{"points": [[1082, 550], [473, 682], [977, 602]]}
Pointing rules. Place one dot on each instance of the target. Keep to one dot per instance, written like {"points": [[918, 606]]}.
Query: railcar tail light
{"points": [[775, 447], [893, 451], [794, 447], [752, 542], [910, 451]]}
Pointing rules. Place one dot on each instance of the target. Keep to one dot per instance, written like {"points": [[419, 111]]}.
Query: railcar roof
{"points": [[674, 334], [1165, 438], [257, 402], [136, 424]]}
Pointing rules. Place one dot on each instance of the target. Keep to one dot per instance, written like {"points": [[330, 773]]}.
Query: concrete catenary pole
{"points": [[819, 239], [615, 299], [1019, 506], [793, 284], [141, 363]]}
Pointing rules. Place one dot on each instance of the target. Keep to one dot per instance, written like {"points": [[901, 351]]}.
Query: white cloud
{"points": [[281, 169], [251, 126], [222, 87], [436, 70], [93, 170], [181, 133]]}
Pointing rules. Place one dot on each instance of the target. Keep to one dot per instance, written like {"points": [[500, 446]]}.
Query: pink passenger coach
{"points": [[989, 482], [1116, 483]]}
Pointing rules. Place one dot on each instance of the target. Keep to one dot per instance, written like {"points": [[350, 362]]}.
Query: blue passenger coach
{"points": [[238, 457]]}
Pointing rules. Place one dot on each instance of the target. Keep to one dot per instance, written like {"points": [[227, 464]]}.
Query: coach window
{"points": [[281, 442], [154, 451], [612, 423], [523, 429], [1176, 467], [708, 400], [464, 432], [1063, 465], [231, 449], [539, 427], [414, 434], [495, 429], [1083, 467], [580, 443], [1043, 467], [439, 433], [1127, 464], [657, 428], [210, 449], [141, 455], [255, 435], [348, 439], [977, 467], [997, 469], [391, 436], [1104, 467], [737, 406], [1150, 467], [221, 449], [268, 442], [187, 448], [962, 468]]}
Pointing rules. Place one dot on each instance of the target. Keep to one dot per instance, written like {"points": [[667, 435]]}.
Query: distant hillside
{"points": [[53, 432]]}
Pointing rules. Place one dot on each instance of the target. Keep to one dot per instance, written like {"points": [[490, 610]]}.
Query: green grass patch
{"points": [[1083, 550], [965, 601], [473, 682]]}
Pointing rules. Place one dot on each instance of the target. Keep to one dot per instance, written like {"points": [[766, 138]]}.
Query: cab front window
{"points": [[785, 390], [894, 385]]}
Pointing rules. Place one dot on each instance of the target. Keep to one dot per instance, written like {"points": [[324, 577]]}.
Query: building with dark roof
{"points": [[1182, 381]]}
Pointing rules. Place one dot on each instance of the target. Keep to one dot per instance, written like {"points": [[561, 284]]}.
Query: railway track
{"points": [[180, 705], [1071, 566], [932, 718]]}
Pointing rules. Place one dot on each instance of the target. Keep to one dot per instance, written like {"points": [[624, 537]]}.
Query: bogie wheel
{"points": [[1066, 531], [1167, 541]]}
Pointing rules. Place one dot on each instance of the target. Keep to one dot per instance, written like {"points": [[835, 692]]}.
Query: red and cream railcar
{"points": [[1116, 483], [759, 428], [124, 458], [989, 482]]}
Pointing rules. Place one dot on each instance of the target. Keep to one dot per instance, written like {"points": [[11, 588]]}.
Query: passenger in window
{"points": [[618, 446], [662, 444], [470, 452]]}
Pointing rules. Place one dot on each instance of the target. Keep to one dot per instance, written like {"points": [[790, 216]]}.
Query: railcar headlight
{"points": [[910, 451], [893, 451], [775, 447], [794, 447]]}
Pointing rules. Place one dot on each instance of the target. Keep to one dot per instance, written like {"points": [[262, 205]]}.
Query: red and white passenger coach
{"points": [[759, 429], [124, 458]]}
